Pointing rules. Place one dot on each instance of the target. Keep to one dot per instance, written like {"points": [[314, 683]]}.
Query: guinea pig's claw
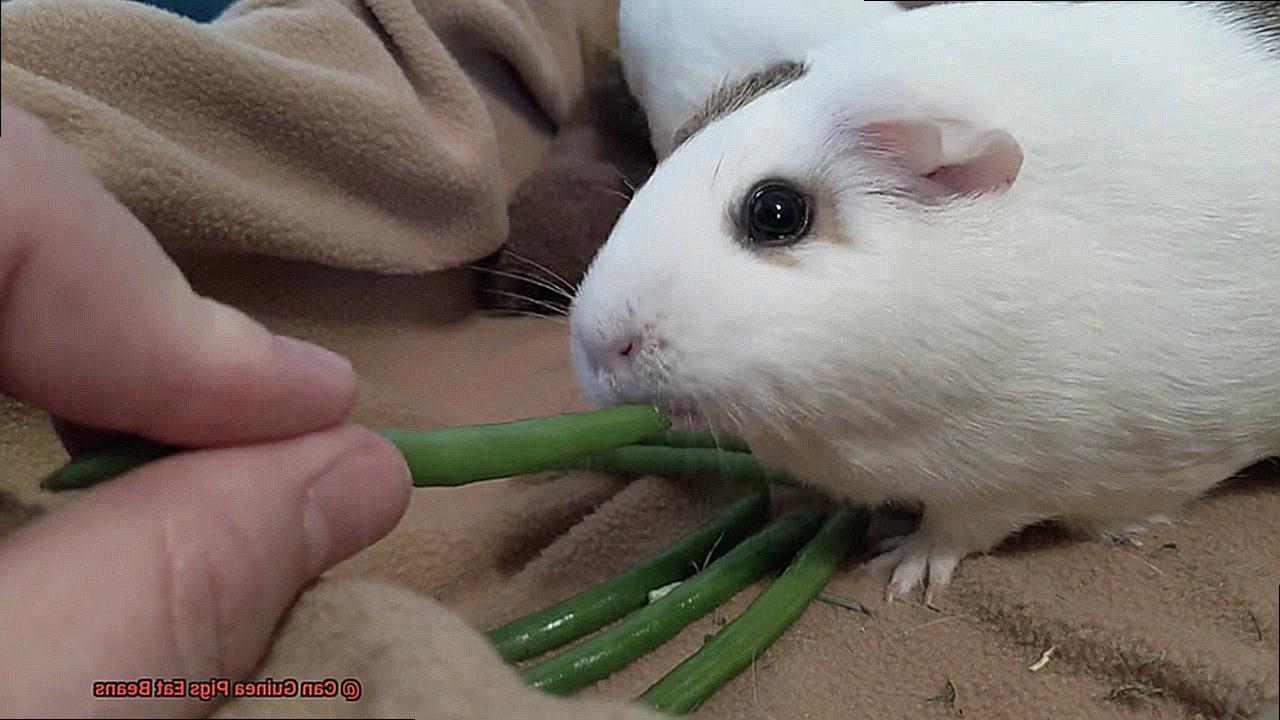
{"points": [[910, 573], [911, 563]]}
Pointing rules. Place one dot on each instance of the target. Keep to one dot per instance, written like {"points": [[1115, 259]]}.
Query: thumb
{"points": [[183, 567]]}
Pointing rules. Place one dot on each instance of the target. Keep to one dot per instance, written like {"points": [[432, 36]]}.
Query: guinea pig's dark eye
{"points": [[776, 214]]}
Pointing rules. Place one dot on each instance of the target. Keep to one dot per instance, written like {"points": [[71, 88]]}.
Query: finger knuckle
{"points": [[196, 604]]}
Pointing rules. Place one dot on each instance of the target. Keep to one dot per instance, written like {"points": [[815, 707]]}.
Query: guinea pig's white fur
{"points": [[1098, 343], [677, 52]]}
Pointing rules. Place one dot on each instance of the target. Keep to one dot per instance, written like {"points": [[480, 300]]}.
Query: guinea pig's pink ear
{"points": [[944, 158]]}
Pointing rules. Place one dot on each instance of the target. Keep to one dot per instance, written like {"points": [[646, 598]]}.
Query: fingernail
{"points": [[356, 501], [317, 361]]}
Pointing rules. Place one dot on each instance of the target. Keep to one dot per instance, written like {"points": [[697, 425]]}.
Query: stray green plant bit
{"points": [[1257, 626], [449, 456], [650, 626], [947, 696], [681, 438], [735, 647], [1151, 658], [676, 463], [1134, 691], [845, 602], [598, 606]]}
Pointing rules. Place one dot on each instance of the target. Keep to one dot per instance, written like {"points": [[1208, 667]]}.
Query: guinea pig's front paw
{"points": [[914, 560], [929, 555]]}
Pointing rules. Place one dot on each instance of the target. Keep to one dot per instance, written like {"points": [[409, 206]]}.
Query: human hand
{"points": [[183, 567]]}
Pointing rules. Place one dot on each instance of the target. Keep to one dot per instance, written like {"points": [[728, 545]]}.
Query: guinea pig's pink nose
{"points": [[612, 353]]}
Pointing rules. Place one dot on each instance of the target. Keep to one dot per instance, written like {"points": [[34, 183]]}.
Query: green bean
{"points": [[676, 463], [116, 458], [612, 599], [737, 644], [684, 438], [647, 628], [449, 456], [459, 455]]}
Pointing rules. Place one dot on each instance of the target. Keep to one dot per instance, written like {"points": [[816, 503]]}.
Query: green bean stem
{"points": [[686, 438], [614, 598], [676, 463], [449, 456], [647, 628], [737, 644]]}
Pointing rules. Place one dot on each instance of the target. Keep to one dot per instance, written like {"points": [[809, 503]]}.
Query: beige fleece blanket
{"points": [[328, 165]]}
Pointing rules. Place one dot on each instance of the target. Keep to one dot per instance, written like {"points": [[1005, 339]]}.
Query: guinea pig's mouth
{"points": [[682, 415], [685, 418]]}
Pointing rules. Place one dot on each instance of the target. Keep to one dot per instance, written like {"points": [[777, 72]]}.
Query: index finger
{"points": [[98, 326]]}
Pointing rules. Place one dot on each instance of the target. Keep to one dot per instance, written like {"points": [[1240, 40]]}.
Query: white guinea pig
{"points": [[1010, 261], [677, 52]]}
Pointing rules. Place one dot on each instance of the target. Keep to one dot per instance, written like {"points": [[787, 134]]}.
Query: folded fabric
{"points": [[333, 131]]}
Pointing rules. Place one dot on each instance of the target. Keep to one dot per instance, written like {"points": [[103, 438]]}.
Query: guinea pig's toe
{"points": [[902, 568], [942, 565], [882, 566], [909, 574], [910, 562]]}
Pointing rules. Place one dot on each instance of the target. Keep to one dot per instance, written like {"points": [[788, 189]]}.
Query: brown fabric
{"points": [[415, 648], [563, 212], [328, 146], [333, 131]]}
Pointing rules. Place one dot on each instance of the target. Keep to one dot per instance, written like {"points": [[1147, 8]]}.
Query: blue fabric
{"points": [[199, 10]]}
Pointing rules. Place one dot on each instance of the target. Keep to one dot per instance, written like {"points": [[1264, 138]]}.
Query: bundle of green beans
{"points": [[649, 627], [738, 644], [628, 440], [596, 607], [711, 563]]}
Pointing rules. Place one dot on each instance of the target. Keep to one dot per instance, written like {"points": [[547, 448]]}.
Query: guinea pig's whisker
{"points": [[536, 282], [565, 284], [544, 274], [731, 412], [618, 193], [504, 312], [626, 181], [555, 309], [521, 296], [777, 415], [809, 414], [801, 411]]}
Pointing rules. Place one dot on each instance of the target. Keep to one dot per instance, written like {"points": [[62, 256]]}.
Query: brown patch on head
{"points": [[1259, 17], [736, 94]]}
